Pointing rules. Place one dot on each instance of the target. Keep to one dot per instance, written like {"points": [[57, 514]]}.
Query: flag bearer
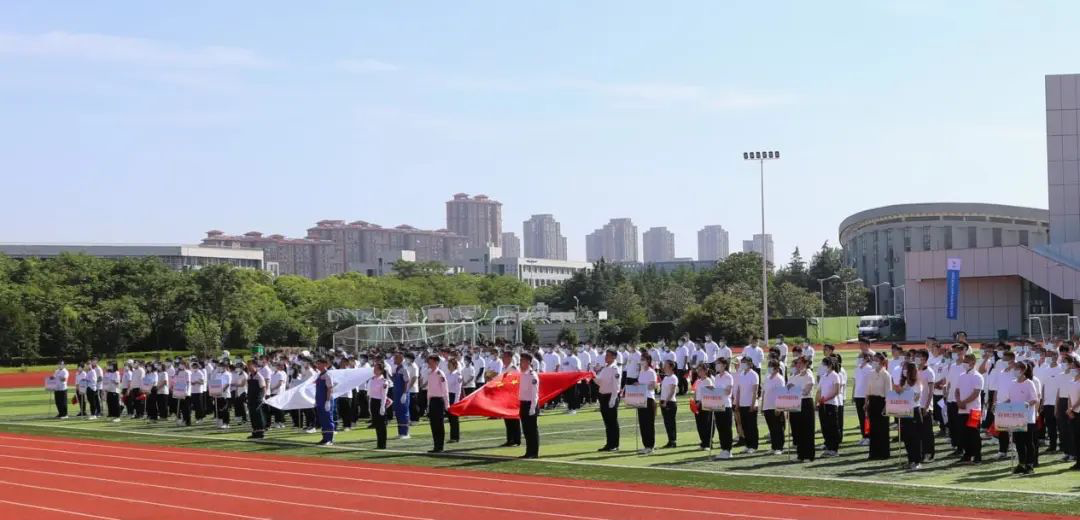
{"points": [[528, 406], [438, 395]]}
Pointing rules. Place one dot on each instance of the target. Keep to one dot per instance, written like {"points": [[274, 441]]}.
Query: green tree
{"points": [[529, 335], [788, 300], [407, 269], [826, 263], [795, 272], [119, 324], [626, 312], [722, 315], [203, 335]]}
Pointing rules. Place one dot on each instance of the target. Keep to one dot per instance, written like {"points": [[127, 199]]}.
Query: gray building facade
{"points": [[658, 245], [617, 241], [712, 243], [542, 237], [511, 245], [477, 218]]}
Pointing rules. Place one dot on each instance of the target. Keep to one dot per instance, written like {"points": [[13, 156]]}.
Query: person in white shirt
{"points": [[647, 416], [783, 347], [92, 394], [255, 395], [911, 427], [221, 393], [453, 383], [863, 370], [926, 377], [99, 376], [724, 383], [1003, 376], [1071, 389], [80, 389], [59, 382], [149, 387], [967, 394], [682, 356], [669, 386], [632, 367], [829, 388], [1024, 390], [724, 351], [711, 349], [239, 390], [747, 384], [702, 417], [1051, 374], [529, 406], [808, 352], [110, 384], [572, 395], [181, 391], [278, 383], [774, 384], [378, 400], [802, 421], [877, 387], [438, 395], [952, 378], [198, 391], [608, 381]]}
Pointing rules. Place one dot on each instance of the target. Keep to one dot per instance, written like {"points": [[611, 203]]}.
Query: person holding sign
{"points": [[722, 385], [877, 386], [646, 415], [1026, 392], [668, 388], [774, 419], [802, 420], [747, 383], [701, 417], [969, 410], [910, 418]]}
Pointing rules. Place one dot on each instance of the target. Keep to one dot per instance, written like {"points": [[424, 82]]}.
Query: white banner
{"points": [[635, 396], [302, 396], [1011, 417], [713, 399], [789, 401], [900, 404]]}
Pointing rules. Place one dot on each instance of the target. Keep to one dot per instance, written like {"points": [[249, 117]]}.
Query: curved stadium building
{"points": [[875, 241]]}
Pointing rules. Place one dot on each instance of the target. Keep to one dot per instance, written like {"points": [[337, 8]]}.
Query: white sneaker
{"points": [[116, 419], [749, 451], [724, 455], [403, 437], [829, 453], [915, 467], [644, 451], [864, 442], [778, 452], [571, 412], [348, 429], [92, 418], [706, 448], [1002, 456], [328, 444], [309, 430]]}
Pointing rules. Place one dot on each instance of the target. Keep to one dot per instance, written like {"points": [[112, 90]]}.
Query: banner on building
{"points": [[952, 287]]}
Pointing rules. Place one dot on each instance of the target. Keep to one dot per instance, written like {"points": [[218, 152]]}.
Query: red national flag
{"points": [[693, 392], [499, 397]]}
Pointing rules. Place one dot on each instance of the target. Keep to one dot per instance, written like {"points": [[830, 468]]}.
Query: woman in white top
{"points": [[111, 385], [162, 391], [468, 377], [378, 388], [181, 391], [747, 384], [221, 393], [863, 370], [724, 383], [239, 392], [911, 427], [80, 389], [646, 416], [1024, 391], [669, 386], [802, 421], [453, 383], [829, 388], [198, 390], [150, 389], [773, 386], [702, 418]]}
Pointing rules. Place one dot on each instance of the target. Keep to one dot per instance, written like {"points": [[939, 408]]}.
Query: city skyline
{"points": [[146, 125]]}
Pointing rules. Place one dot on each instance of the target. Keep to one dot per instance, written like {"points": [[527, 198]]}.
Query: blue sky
{"points": [[141, 122]]}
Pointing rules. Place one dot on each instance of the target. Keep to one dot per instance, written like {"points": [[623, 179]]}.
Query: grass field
{"points": [[568, 449]]}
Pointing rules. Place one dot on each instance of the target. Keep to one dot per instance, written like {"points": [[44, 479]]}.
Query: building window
{"points": [[1023, 237], [971, 241], [926, 238], [907, 240], [948, 237], [997, 237]]}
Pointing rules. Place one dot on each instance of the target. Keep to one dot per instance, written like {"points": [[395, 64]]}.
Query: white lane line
{"points": [[372, 481], [43, 508], [577, 463], [110, 497], [205, 492]]}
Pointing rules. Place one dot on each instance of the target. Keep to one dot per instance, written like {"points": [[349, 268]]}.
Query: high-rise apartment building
{"points": [[543, 238], [658, 245], [511, 245], [369, 248], [478, 219], [712, 243], [758, 244], [615, 242]]}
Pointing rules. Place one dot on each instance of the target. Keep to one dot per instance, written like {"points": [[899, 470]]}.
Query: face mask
{"points": [[875, 365], [970, 366]]}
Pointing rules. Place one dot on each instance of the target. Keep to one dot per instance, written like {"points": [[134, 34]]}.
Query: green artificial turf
{"points": [[568, 449]]}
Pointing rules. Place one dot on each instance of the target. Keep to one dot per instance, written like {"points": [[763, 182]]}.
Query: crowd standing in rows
{"points": [[954, 394]]}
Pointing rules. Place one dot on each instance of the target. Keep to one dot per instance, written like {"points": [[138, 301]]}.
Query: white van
{"points": [[880, 327]]}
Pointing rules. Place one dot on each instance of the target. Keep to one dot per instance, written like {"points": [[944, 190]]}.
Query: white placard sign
{"points": [[789, 401], [713, 399], [900, 404], [1011, 417], [636, 396]]}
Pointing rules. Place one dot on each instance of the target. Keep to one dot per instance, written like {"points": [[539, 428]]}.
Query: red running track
{"points": [[46, 477]]}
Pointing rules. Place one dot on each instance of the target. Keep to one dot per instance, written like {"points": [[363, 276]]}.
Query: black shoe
{"points": [[606, 448], [506, 444], [668, 446], [1075, 467], [435, 451], [1018, 470], [528, 457]]}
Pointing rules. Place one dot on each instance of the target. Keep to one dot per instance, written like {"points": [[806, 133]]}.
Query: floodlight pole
{"points": [[876, 299], [761, 157], [847, 310], [821, 288]]}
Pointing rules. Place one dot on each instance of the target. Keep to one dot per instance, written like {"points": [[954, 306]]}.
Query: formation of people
{"points": [[910, 396]]}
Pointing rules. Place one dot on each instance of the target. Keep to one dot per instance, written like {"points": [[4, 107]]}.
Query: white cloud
{"points": [[367, 65], [123, 49]]}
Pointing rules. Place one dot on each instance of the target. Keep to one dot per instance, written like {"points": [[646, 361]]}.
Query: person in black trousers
{"points": [[512, 426], [968, 390], [454, 383], [878, 384], [377, 391], [647, 416], [609, 383], [438, 395], [911, 428], [926, 400], [669, 386], [829, 388], [703, 418], [802, 421], [772, 385], [528, 407], [59, 386], [256, 390]]}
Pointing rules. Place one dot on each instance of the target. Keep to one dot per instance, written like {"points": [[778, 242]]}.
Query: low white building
{"points": [[538, 272], [179, 257]]}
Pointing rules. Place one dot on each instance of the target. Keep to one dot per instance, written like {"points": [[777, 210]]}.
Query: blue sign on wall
{"points": [[952, 288]]}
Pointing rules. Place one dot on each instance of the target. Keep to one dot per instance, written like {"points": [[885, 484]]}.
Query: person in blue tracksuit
{"points": [[402, 382], [324, 402]]}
